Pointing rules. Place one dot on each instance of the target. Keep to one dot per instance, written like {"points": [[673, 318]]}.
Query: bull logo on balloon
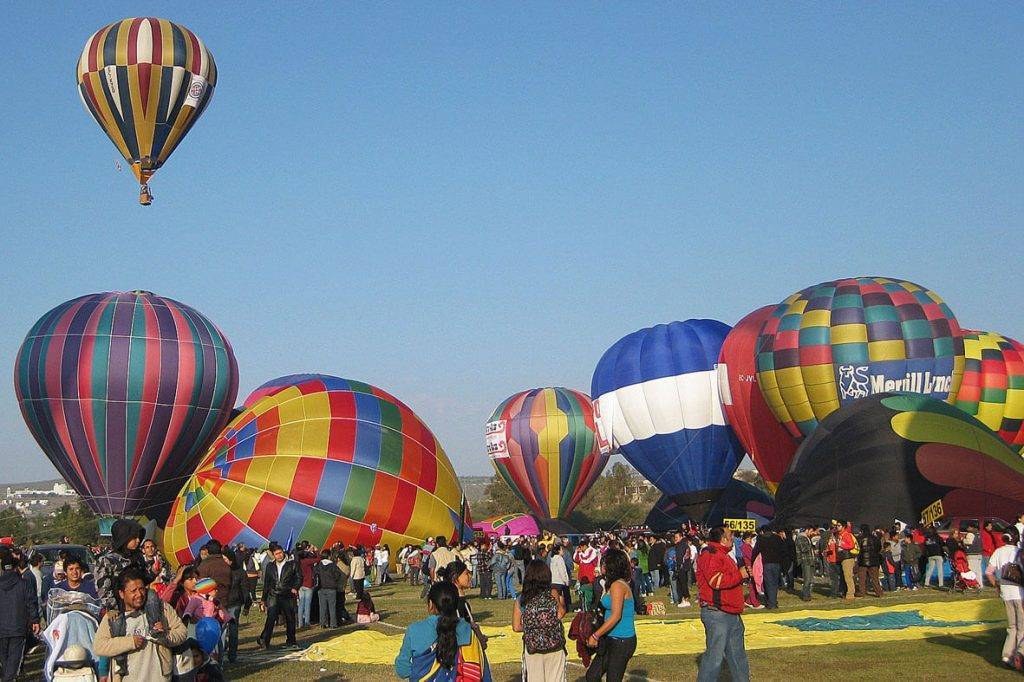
{"points": [[853, 382]]}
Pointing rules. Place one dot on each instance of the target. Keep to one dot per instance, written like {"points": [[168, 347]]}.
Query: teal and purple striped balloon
{"points": [[124, 391]]}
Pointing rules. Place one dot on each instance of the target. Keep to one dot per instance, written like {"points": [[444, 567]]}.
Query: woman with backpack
{"points": [[615, 640], [433, 648], [1003, 566], [538, 615]]}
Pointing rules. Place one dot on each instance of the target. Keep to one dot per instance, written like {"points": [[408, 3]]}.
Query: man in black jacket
{"points": [[772, 550], [682, 569], [656, 562], [19, 611], [281, 582], [868, 561], [327, 577]]}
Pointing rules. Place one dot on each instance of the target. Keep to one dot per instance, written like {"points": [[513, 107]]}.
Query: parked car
{"points": [[962, 522]]}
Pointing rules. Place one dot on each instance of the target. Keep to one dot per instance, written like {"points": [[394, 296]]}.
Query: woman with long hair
{"points": [[538, 615], [615, 640], [459, 574], [442, 632]]}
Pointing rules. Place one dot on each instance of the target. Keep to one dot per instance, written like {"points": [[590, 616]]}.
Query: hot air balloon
{"points": [[545, 444], [123, 392], [993, 386], [739, 500], [766, 441], [899, 456], [326, 460], [847, 339], [146, 81], [657, 395], [274, 385]]}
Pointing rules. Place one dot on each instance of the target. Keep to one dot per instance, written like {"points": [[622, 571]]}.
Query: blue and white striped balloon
{"points": [[657, 394]]}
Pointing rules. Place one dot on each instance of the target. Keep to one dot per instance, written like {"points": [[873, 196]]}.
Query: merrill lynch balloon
{"points": [[766, 441], [328, 460], [145, 81], [993, 386], [546, 445], [840, 341], [123, 392], [657, 395]]}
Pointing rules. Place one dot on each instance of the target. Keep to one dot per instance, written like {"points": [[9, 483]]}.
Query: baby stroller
{"points": [[72, 620], [76, 665], [963, 577]]}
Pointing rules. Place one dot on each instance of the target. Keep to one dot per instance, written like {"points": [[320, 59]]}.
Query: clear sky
{"points": [[459, 201]]}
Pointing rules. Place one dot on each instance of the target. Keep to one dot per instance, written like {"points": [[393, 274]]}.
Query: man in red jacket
{"points": [[720, 583]]}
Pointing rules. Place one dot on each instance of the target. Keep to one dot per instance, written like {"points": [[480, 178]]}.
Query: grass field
{"points": [[973, 656]]}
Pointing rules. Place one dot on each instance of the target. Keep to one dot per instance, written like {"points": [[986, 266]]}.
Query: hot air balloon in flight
{"points": [[993, 386], [766, 441], [123, 392], [657, 394], [546, 445], [326, 460], [146, 81], [844, 340]]}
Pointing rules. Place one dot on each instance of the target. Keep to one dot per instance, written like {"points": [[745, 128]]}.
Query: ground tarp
{"points": [[764, 631]]}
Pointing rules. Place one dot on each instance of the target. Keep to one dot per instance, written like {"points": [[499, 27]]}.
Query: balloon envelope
{"points": [[509, 524], [767, 442], [145, 81], [657, 397], [840, 341], [208, 634], [123, 392], [993, 386], [891, 456], [328, 460], [545, 444], [274, 385], [739, 500]]}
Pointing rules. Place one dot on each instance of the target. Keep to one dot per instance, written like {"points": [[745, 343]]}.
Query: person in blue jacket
{"points": [[441, 632]]}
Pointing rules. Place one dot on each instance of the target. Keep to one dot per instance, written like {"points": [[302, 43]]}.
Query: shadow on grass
{"points": [[987, 645]]}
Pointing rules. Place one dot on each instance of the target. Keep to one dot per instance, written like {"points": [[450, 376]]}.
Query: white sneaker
{"points": [[683, 604]]}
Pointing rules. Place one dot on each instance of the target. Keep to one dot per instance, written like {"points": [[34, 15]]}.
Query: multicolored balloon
{"points": [[900, 456], [326, 460], [509, 524], [146, 81], [546, 445], [123, 392], [844, 340], [993, 386], [739, 500], [274, 385], [766, 441], [657, 396]]}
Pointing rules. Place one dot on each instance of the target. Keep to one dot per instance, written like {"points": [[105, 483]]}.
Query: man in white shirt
{"points": [[1011, 594]]}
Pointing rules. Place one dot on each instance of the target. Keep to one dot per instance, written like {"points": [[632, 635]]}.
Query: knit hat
{"points": [[206, 586]]}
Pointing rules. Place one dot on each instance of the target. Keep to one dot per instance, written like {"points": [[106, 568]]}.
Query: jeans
{"points": [[910, 574], [281, 605], [486, 583], [807, 571], [934, 566], [382, 574], [328, 608], [519, 571], [655, 579], [723, 634], [771, 574], [835, 580], [683, 583], [12, 650], [612, 656], [673, 586], [501, 579], [357, 587], [305, 602]]}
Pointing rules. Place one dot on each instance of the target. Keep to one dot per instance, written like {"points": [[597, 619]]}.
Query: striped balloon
{"points": [[145, 81], [844, 340], [123, 391], [993, 386], [545, 444], [326, 460]]}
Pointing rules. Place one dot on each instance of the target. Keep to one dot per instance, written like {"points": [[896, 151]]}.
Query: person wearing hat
{"points": [[19, 613], [125, 537]]}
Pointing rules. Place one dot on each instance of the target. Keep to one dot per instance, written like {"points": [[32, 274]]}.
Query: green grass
{"points": [[972, 656]]}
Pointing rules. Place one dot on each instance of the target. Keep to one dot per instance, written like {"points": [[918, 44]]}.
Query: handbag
{"points": [[1012, 572]]}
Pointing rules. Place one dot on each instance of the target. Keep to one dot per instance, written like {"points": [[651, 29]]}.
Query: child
{"points": [[203, 667], [365, 611], [585, 592], [203, 604]]}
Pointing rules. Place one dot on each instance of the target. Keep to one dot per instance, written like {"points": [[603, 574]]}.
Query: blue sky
{"points": [[459, 202]]}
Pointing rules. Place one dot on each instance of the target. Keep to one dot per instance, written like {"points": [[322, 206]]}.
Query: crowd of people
{"points": [[161, 624]]}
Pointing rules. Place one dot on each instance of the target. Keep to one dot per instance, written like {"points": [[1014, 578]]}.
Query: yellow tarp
{"points": [[664, 637]]}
